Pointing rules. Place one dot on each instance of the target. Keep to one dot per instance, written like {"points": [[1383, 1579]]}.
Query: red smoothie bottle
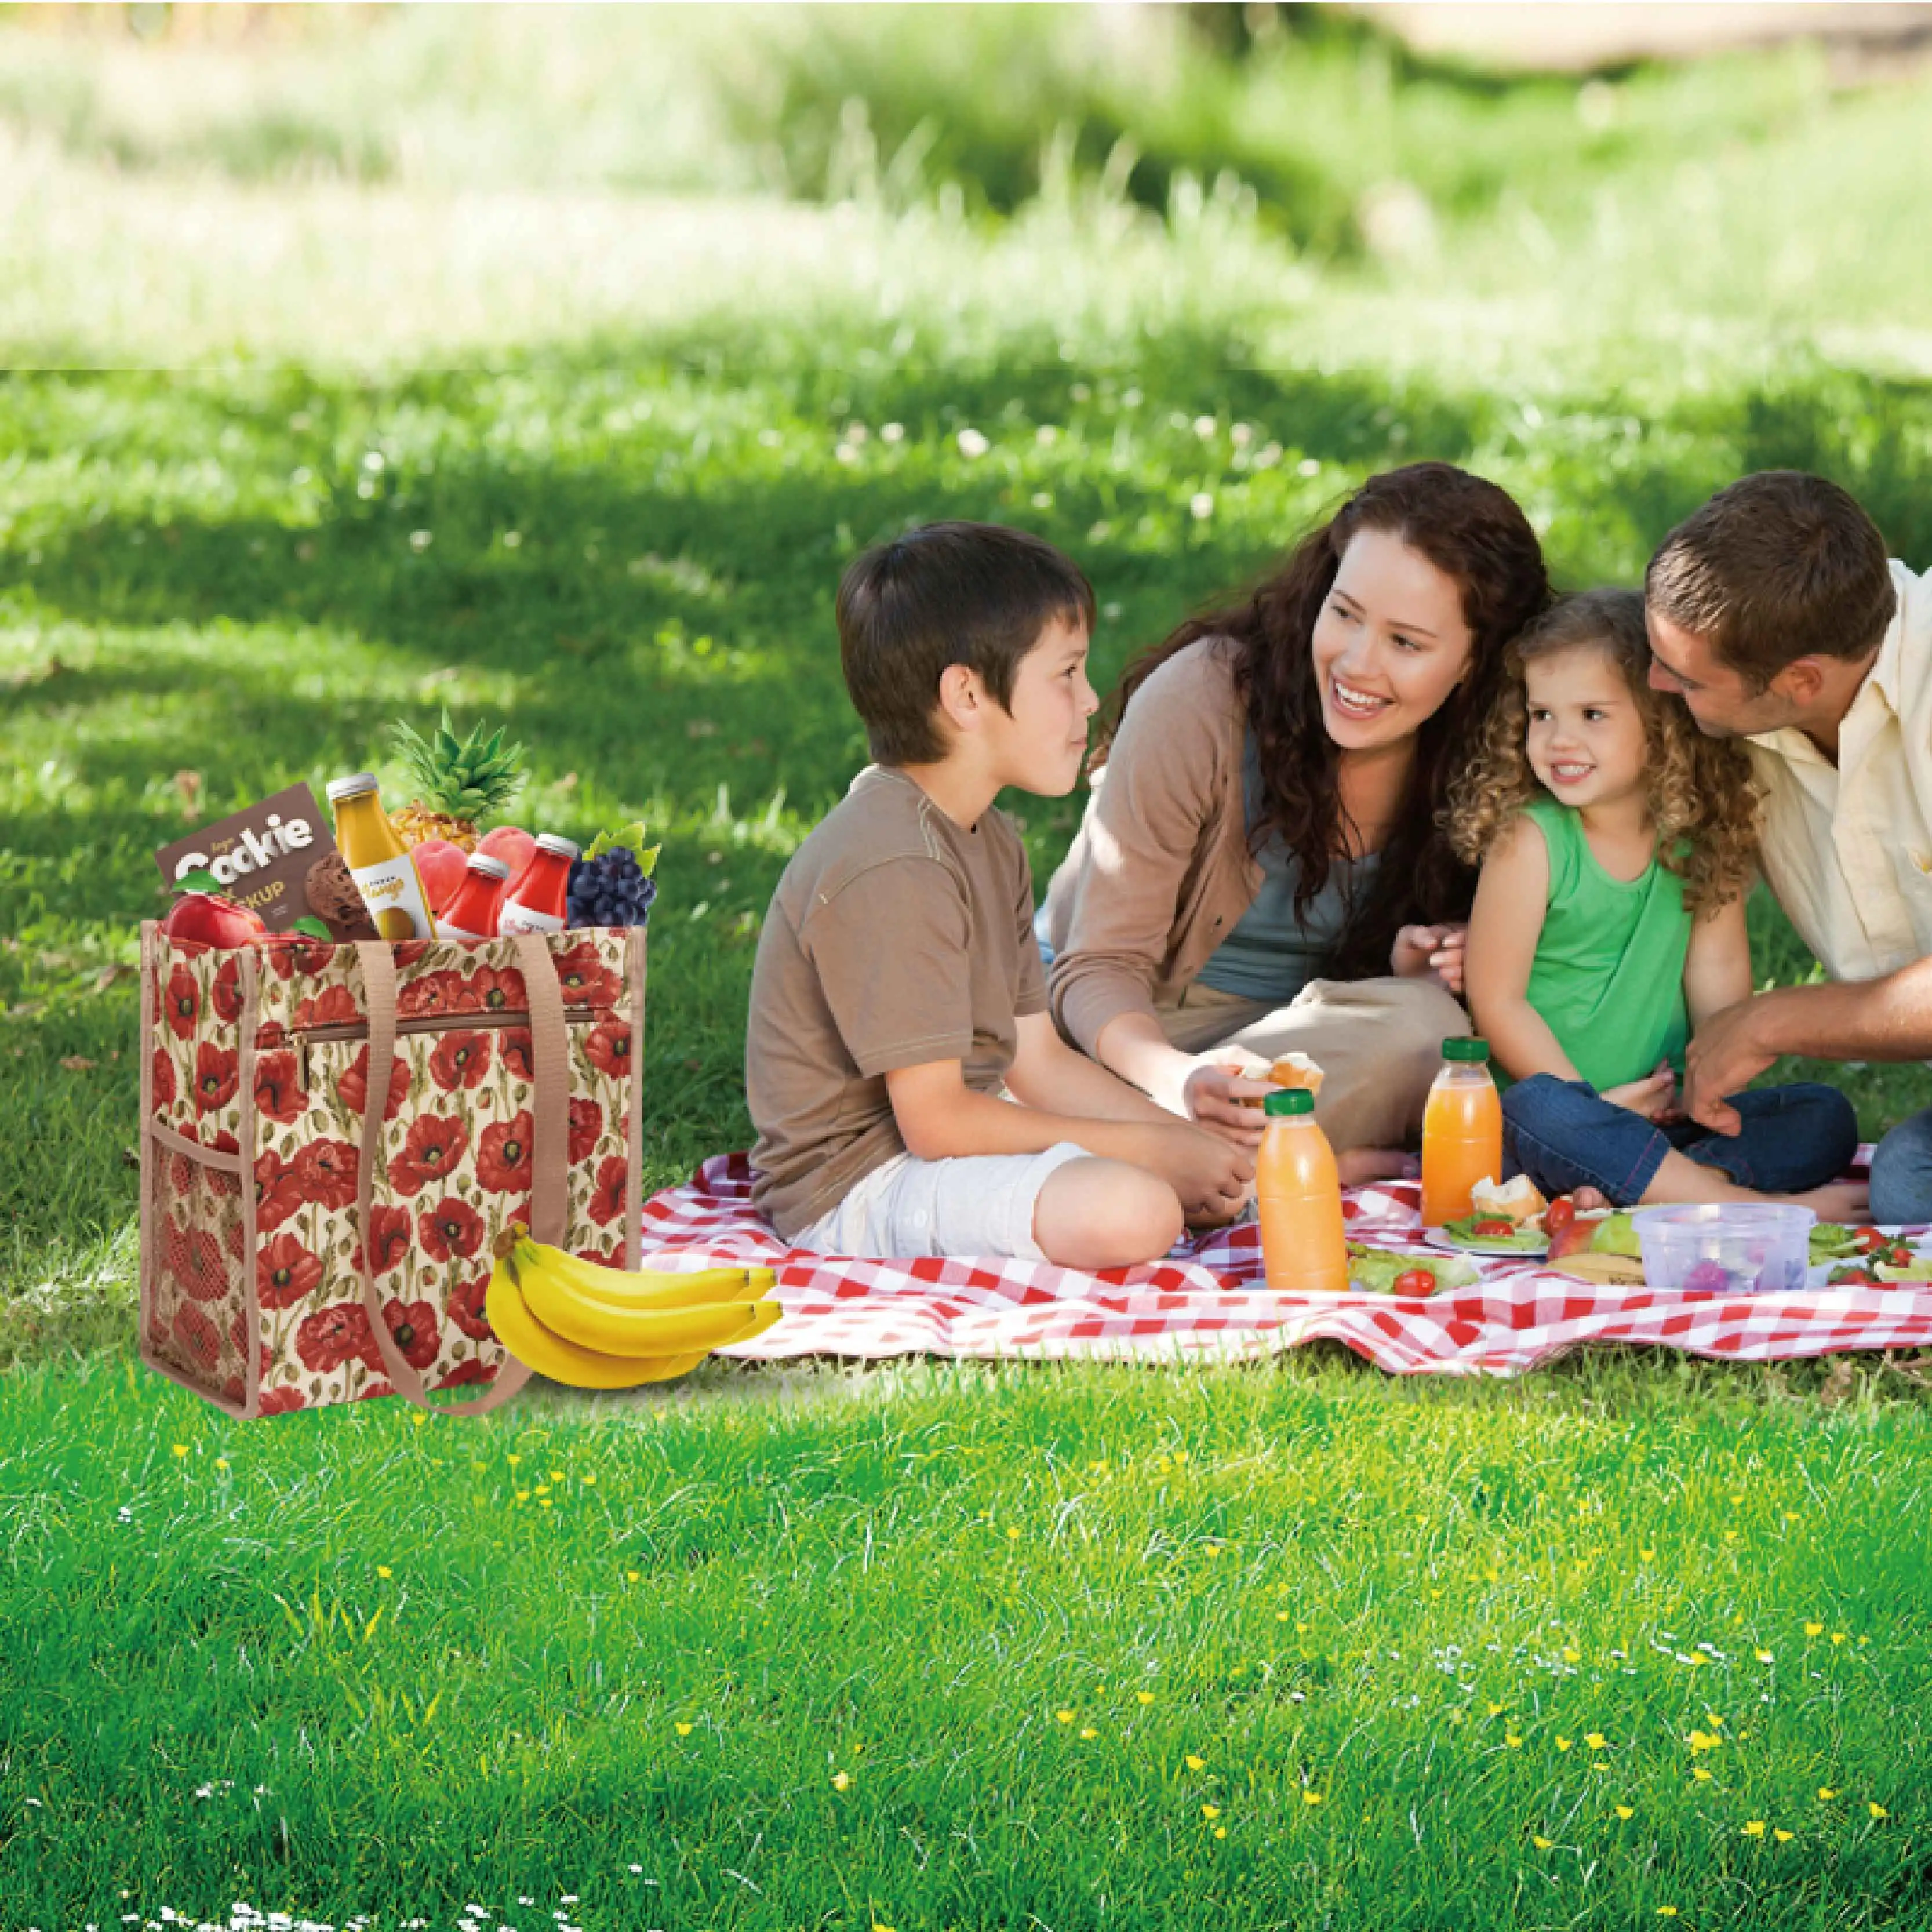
{"points": [[472, 913], [538, 899]]}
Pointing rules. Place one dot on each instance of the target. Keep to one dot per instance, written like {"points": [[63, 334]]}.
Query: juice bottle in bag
{"points": [[472, 913], [1462, 1131], [378, 860], [537, 900], [1299, 1198]]}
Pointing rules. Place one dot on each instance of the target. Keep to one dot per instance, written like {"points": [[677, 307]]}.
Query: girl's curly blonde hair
{"points": [[1704, 802]]}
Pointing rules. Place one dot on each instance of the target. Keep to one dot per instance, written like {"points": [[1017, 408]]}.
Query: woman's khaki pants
{"points": [[1378, 1043]]}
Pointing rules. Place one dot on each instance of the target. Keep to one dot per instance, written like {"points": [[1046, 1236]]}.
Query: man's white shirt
{"points": [[1848, 848]]}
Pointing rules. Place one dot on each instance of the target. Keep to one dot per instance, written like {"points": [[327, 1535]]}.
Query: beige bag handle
{"points": [[550, 1143]]}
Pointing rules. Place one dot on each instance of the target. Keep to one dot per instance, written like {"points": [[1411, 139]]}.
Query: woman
{"points": [[1260, 870]]}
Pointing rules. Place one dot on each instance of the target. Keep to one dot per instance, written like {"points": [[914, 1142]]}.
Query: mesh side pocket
{"points": [[197, 1302]]}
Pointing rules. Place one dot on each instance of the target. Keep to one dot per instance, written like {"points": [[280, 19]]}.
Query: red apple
{"points": [[208, 920], [439, 865], [510, 843]]}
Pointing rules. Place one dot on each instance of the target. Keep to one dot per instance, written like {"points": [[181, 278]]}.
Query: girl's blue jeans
{"points": [[1564, 1135], [1901, 1173]]}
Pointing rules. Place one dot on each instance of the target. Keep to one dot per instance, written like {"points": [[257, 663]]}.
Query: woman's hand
{"points": [[1655, 1096], [1212, 1094], [1431, 952]]}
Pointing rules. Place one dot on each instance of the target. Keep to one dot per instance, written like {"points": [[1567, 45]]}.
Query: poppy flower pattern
{"points": [[277, 1094], [461, 1060], [453, 1167]]}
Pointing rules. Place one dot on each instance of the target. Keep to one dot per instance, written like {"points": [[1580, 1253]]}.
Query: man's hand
{"points": [[1726, 1055], [1655, 1096], [1212, 1093], [1431, 952]]}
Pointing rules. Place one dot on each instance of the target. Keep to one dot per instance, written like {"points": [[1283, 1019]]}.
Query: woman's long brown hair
{"points": [[1475, 534]]}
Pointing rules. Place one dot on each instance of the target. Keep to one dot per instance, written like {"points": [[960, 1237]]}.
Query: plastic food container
{"points": [[1748, 1248]]}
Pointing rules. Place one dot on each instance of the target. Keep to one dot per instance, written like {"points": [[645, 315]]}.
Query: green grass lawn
{"points": [[288, 451], [970, 1648]]}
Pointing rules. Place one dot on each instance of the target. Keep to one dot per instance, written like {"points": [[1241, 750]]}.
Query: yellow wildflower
{"points": [[1571, 1654], [1494, 1710], [1220, 1830], [1666, 1912], [1625, 1811], [1311, 1797], [1783, 1836], [1144, 1696], [1703, 1741], [1511, 1739], [383, 1570], [1562, 1743], [1826, 1793], [1194, 1763], [1087, 1732], [1596, 1740], [1210, 1812], [1754, 1828], [1762, 1656], [633, 1576], [181, 1448], [1064, 1716], [1837, 1637], [221, 1462], [683, 1730], [1541, 1844], [1702, 1776], [1814, 1629], [1877, 1810], [1648, 1556]]}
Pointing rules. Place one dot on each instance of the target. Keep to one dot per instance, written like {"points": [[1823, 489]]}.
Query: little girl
{"points": [[1617, 843]]}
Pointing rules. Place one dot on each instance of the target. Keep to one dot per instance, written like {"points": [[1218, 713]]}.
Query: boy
{"points": [[898, 986]]}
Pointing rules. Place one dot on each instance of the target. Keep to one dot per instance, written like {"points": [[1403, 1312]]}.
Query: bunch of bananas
{"points": [[600, 1327]]}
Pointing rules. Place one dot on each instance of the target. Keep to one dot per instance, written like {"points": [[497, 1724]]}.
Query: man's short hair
{"points": [[973, 594], [1778, 566]]}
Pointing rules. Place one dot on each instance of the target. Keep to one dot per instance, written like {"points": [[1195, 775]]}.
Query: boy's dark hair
{"points": [[973, 594], [1777, 567]]}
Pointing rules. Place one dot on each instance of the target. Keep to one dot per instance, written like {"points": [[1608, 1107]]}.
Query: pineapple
{"points": [[457, 784]]}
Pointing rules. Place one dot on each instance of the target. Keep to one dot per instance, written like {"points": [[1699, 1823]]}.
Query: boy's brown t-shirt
{"points": [[895, 938]]}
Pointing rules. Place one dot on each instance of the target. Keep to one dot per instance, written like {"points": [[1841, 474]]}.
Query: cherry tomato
{"points": [[1415, 1281], [1493, 1230], [1900, 1256], [1866, 1239], [1558, 1215], [1851, 1277]]}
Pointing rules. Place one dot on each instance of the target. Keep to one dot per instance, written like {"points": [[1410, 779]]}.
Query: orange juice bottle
{"points": [[1300, 1199], [378, 860], [1462, 1131]]}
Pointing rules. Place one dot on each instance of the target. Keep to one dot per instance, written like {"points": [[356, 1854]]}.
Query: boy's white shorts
{"points": [[976, 1204]]}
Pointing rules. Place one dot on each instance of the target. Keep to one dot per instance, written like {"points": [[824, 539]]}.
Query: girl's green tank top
{"points": [[1609, 972]]}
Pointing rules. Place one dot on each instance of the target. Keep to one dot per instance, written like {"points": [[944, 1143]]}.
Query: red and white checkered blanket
{"points": [[1206, 1300]]}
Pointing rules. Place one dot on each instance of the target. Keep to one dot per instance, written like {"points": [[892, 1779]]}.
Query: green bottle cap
{"points": [[1289, 1100], [1466, 1047]]}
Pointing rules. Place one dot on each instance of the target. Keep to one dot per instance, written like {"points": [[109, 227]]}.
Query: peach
{"points": [[439, 865], [510, 843]]}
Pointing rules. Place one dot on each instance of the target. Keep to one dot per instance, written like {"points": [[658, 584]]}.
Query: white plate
{"points": [[1437, 1238]]}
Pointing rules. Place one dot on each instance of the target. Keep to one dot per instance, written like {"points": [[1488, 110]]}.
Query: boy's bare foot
{"points": [[1360, 1165], [1841, 1201]]}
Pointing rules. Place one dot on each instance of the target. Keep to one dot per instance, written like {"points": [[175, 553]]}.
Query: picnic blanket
{"points": [[1207, 1299]]}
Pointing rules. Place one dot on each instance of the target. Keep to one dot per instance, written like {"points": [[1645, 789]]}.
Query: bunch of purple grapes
{"points": [[611, 890]]}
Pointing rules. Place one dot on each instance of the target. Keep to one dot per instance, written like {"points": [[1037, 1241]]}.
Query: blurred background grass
{"points": [[551, 362]]}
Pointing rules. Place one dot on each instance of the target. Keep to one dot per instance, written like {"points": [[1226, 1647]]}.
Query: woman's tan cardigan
{"points": [[1160, 872]]}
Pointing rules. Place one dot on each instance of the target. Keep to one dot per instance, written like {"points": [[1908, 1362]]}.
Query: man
{"points": [[1774, 613]]}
